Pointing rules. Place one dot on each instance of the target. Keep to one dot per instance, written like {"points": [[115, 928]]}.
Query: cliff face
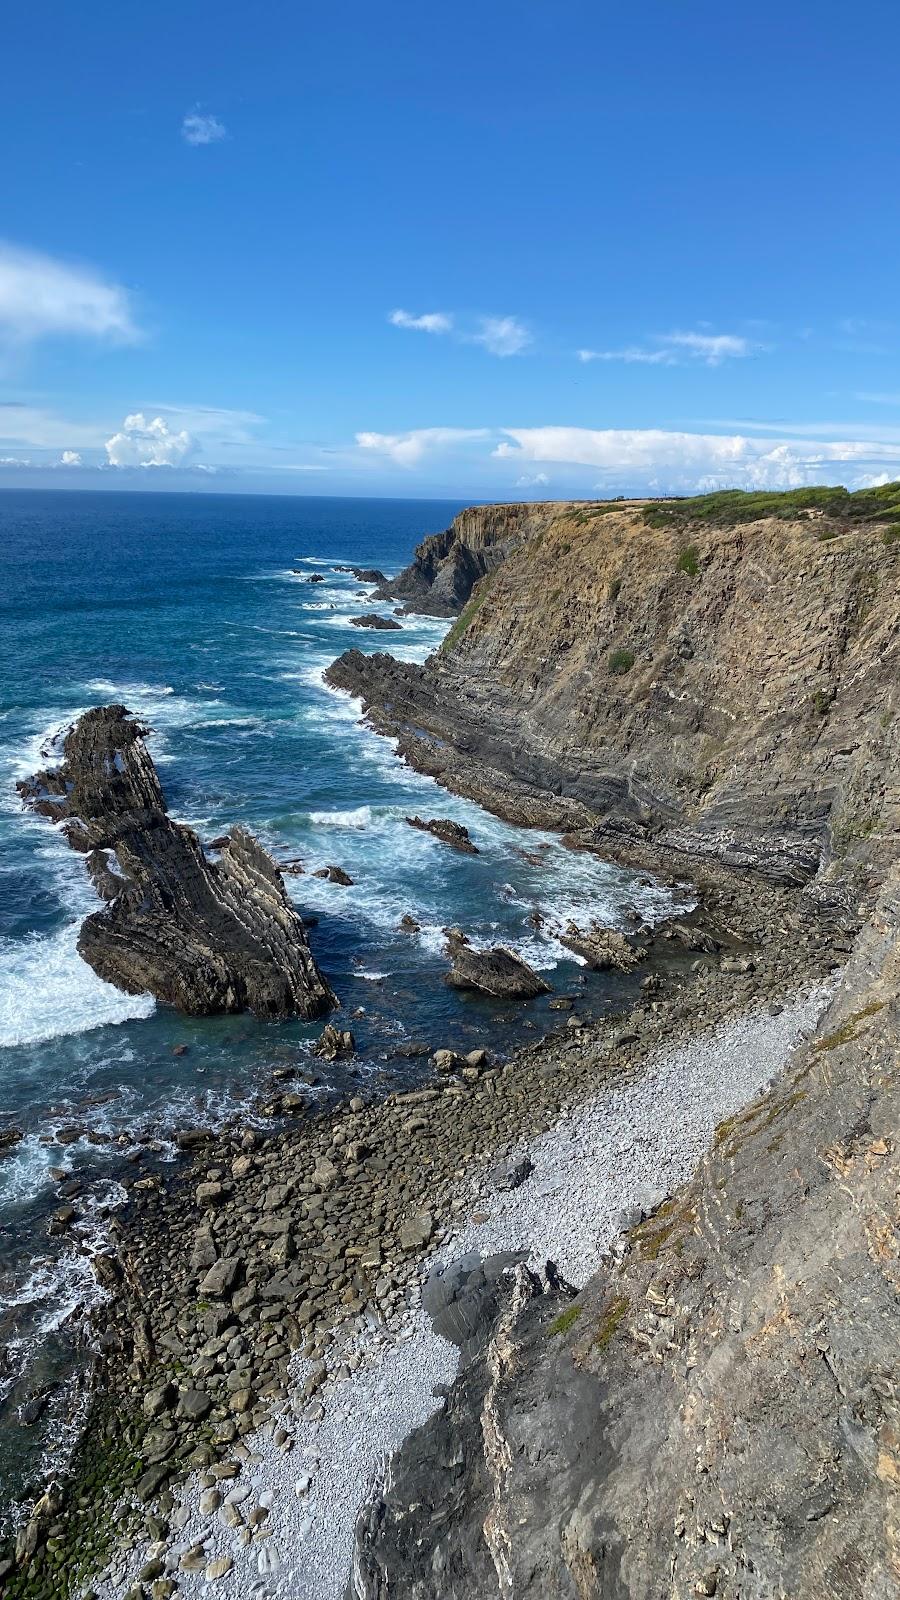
{"points": [[447, 566], [726, 690], [716, 1412]]}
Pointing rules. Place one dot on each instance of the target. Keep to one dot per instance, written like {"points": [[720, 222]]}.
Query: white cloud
{"points": [[13, 461], [671, 349], [34, 427], [711, 348], [148, 443], [199, 129], [407, 449], [678, 462], [428, 322], [70, 458], [633, 353], [532, 480], [40, 296], [502, 336]]}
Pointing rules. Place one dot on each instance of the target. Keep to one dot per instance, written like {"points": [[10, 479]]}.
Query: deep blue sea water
{"points": [[186, 608]]}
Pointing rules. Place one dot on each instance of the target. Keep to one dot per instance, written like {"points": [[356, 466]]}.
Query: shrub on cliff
{"points": [[621, 661]]}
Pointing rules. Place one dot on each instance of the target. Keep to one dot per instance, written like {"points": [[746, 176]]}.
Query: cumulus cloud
{"points": [[14, 461], [678, 462], [144, 442], [428, 322], [672, 349], [41, 296], [70, 458], [199, 129], [502, 336], [407, 449], [532, 480]]}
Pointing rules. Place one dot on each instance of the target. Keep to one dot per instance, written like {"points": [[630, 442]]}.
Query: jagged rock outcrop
{"points": [[602, 948], [495, 971], [689, 688], [449, 832], [716, 1412], [371, 619], [447, 566], [202, 936]]}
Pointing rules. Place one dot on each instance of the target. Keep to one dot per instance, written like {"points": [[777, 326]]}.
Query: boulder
{"points": [[333, 1042], [496, 971], [334, 875]]}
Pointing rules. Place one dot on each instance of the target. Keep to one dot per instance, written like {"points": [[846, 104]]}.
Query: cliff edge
{"points": [[658, 679]]}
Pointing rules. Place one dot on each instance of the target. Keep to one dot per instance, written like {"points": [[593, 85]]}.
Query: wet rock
{"points": [[497, 971], [371, 619], [202, 936], [452, 833], [334, 1042], [408, 924], [603, 949], [9, 1138], [334, 875]]}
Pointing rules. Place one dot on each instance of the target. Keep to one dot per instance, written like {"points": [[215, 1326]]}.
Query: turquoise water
{"points": [[186, 609]]}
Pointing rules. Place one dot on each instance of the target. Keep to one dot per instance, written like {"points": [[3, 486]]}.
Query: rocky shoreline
{"points": [[264, 1251]]}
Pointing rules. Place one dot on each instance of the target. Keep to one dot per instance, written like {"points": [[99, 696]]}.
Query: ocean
{"points": [[186, 608]]}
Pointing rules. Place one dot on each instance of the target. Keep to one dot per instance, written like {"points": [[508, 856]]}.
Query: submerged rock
{"points": [[497, 971], [202, 936], [452, 833]]}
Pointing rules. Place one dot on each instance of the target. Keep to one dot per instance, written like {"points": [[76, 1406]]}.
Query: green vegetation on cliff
{"points": [[731, 506]]}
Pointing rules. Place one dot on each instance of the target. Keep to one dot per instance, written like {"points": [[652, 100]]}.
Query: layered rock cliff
{"points": [[657, 681], [446, 566], [204, 936]]}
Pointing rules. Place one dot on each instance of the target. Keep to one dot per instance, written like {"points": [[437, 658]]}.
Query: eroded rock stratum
{"points": [[205, 936]]}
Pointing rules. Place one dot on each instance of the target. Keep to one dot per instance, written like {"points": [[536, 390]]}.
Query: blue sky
{"points": [[487, 251]]}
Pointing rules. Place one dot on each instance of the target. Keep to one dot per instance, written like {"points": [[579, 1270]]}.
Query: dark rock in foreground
{"points": [[452, 833], [371, 619], [498, 972], [202, 936]]}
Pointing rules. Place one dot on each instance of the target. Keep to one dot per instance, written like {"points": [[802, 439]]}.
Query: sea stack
{"points": [[202, 936]]}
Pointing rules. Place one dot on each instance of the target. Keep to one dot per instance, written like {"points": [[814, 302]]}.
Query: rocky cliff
{"points": [[716, 1412], [202, 935], [446, 566], [659, 680]]}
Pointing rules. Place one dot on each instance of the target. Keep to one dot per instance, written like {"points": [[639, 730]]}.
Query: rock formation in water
{"points": [[447, 566], [497, 971], [202, 936], [449, 832], [371, 619], [668, 680], [716, 1411]]}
